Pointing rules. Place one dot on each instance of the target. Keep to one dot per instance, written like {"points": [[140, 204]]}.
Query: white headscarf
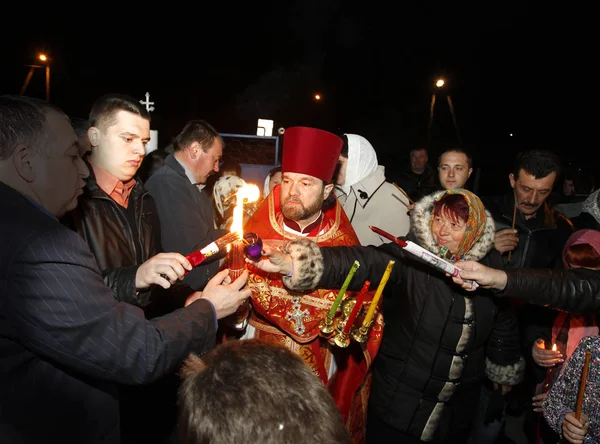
{"points": [[362, 161]]}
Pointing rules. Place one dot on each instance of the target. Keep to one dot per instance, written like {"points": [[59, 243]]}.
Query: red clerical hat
{"points": [[310, 151]]}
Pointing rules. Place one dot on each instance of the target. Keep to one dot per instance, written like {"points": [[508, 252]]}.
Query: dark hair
{"points": [[196, 131], [344, 152], [104, 110], [414, 150], [454, 204], [583, 181], [151, 162], [460, 151], [229, 165], [254, 392], [538, 163], [582, 255], [274, 171], [80, 126], [23, 121]]}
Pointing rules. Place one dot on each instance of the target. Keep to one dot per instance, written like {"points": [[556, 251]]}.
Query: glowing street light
{"points": [[440, 83], [43, 58], [317, 96]]}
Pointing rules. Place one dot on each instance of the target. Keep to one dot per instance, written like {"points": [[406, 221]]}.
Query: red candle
{"points": [[359, 302], [237, 261]]}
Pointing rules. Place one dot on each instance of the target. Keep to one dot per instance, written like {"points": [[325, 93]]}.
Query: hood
{"points": [[420, 219], [362, 161], [590, 205]]}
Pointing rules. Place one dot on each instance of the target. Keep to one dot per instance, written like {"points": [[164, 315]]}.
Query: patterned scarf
{"points": [[475, 224]]}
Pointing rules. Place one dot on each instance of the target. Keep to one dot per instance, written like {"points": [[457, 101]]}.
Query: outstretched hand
{"points": [[273, 261], [163, 269], [486, 277]]}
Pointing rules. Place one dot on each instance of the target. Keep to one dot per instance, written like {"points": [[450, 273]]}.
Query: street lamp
{"points": [[317, 97], [440, 83], [43, 58]]}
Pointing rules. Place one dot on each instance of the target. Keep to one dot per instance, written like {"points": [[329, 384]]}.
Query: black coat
{"points": [[438, 342]]}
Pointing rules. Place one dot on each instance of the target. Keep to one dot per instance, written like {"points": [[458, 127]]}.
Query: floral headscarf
{"points": [[476, 223]]}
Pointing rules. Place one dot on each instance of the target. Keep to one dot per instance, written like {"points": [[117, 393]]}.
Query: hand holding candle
{"points": [[357, 306], [375, 301], [342, 291]]}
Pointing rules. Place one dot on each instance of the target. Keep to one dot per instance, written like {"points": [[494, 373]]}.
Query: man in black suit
{"points": [[184, 208], [65, 341]]}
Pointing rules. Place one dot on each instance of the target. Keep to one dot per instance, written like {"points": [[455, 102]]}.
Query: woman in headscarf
{"points": [[224, 200], [366, 196], [439, 342], [272, 179]]}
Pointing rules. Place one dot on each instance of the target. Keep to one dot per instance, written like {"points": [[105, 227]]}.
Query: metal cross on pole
{"points": [[148, 103]]}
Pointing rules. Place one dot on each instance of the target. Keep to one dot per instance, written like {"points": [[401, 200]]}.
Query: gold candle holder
{"points": [[360, 334], [327, 326], [341, 339]]}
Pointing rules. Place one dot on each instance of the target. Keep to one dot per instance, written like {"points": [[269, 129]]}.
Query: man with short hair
{"points": [[65, 341], [454, 168], [262, 387], [540, 231], [118, 219], [304, 206], [185, 210], [418, 179], [537, 240]]}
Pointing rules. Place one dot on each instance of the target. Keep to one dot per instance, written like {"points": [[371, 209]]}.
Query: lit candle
{"points": [[248, 193], [384, 279], [553, 347], [358, 304], [340, 295]]}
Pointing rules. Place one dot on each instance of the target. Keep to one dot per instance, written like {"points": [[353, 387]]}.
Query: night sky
{"points": [[509, 68]]}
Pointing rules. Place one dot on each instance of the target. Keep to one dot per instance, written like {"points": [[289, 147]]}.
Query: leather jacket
{"points": [[576, 291], [105, 228]]}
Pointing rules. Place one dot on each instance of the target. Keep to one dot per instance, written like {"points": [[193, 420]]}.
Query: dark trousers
{"points": [[454, 427]]}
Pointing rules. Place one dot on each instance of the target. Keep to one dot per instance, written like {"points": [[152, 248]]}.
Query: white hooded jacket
{"points": [[366, 196]]}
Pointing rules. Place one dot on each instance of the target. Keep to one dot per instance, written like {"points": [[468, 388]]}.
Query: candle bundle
{"points": [[344, 326], [326, 325]]}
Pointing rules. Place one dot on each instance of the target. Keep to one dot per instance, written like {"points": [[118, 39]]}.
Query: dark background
{"points": [[510, 67]]}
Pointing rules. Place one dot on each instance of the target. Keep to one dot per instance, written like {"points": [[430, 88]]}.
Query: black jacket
{"points": [[439, 343], [416, 185], [576, 291], [187, 218], [106, 229], [540, 241]]}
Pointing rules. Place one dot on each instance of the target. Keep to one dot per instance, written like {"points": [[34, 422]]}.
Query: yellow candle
{"points": [[373, 306], [340, 295]]}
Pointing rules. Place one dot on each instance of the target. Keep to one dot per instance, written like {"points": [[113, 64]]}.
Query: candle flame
{"points": [[247, 193], [553, 347]]}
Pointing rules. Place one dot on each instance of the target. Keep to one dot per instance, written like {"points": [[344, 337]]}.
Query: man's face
{"points": [[531, 193], [59, 171], [120, 148], [302, 196], [418, 160], [205, 163], [568, 187], [454, 170]]}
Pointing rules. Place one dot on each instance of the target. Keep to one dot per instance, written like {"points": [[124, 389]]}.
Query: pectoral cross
{"points": [[148, 103], [297, 316]]}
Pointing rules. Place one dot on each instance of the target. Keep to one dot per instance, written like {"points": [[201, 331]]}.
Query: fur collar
{"points": [[420, 229]]}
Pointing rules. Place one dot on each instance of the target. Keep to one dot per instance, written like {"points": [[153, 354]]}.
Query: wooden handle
{"points": [[584, 375]]}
